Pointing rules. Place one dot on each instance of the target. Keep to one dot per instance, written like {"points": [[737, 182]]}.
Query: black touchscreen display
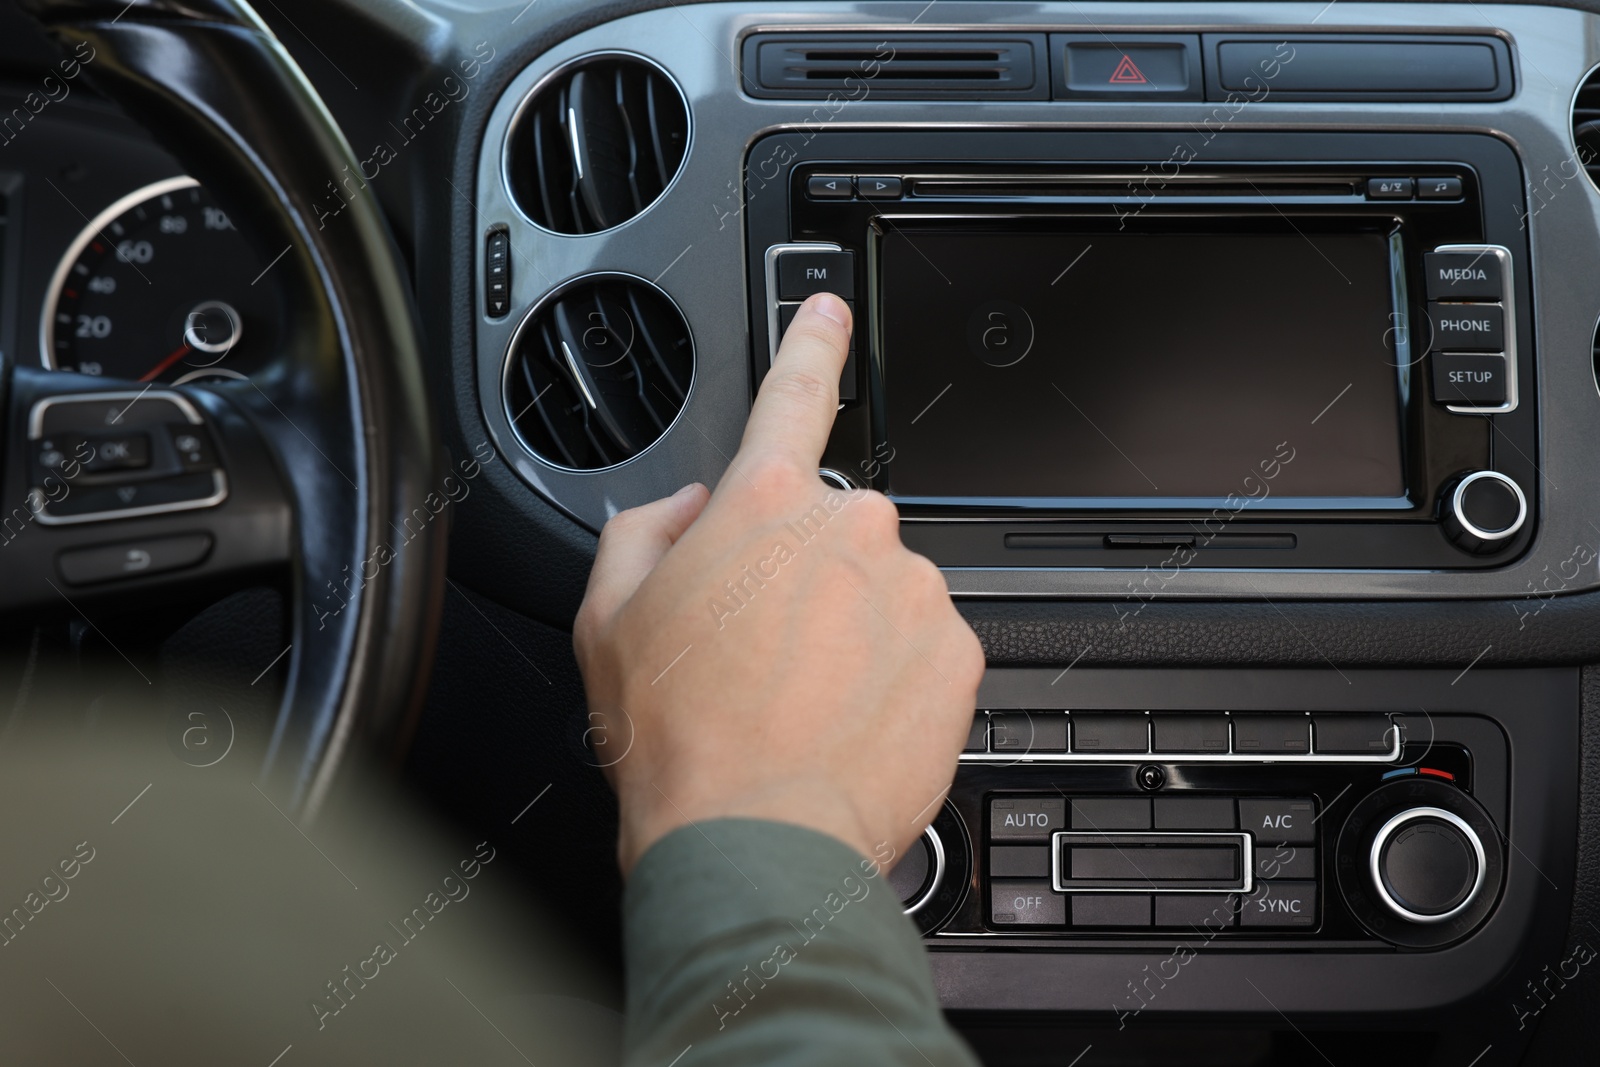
{"points": [[1141, 369]]}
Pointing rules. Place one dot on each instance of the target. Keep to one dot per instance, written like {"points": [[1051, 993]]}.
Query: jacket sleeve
{"points": [[761, 943]]}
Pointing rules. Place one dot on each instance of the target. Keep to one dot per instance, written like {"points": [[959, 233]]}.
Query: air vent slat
{"points": [[617, 353], [897, 66], [596, 144]]}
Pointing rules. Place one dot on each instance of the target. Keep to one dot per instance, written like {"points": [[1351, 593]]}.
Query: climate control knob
{"points": [[1427, 865], [1420, 862], [1484, 511]]}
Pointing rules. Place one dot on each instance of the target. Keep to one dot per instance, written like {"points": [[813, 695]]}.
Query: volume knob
{"points": [[1428, 865], [1484, 510]]}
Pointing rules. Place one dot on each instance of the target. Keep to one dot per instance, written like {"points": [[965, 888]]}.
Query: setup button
{"points": [[1476, 380]]}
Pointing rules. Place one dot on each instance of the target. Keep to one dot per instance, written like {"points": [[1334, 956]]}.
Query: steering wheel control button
{"points": [[497, 273], [1390, 188], [1428, 864], [1026, 818], [1281, 904], [1463, 276], [1026, 903], [128, 463], [1272, 734], [1197, 911], [830, 187], [1023, 732], [1016, 861], [804, 274], [131, 559], [1110, 732], [1146, 67], [1111, 909], [1195, 813], [1484, 510], [1353, 734], [1468, 327], [1470, 380], [1190, 733], [1439, 189], [879, 187], [1279, 821], [1110, 813]]}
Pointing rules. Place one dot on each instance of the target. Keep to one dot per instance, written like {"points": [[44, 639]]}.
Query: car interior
{"points": [[1231, 361]]}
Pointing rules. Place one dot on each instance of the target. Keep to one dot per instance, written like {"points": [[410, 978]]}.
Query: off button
{"points": [[1026, 903]]}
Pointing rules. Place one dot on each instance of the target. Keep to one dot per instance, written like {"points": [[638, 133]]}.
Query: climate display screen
{"points": [[1141, 369]]}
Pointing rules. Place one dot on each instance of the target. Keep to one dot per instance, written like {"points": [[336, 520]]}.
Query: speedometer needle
{"points": [[155, 372]]}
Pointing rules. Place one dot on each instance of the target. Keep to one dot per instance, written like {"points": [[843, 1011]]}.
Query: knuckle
{"points": [[801, 386]]}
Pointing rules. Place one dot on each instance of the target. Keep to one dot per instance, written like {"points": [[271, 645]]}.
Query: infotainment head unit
{"points": [[1271, 359]]}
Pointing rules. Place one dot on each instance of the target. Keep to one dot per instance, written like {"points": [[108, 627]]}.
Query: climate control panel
{"points": [[1347, 828]]}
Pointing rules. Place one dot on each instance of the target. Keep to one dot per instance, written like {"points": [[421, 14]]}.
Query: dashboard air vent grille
{"points": [[598, 371], [853, 66], [596, 144], [1586, 125]]}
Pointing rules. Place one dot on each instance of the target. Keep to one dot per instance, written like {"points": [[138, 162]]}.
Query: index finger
{"points": [[794, 409]]}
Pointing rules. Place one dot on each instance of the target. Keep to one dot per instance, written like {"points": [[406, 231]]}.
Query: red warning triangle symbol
{"points": [[1126, 74]]}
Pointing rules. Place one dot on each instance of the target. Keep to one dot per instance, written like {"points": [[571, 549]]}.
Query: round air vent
{"points": [[596, 143], [1586, 125], [598, 371]]}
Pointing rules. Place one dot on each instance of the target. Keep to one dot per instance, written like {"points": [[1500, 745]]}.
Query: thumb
{"points": [[631, 545]]}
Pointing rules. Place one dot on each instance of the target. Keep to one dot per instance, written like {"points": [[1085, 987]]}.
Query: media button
{"points": [[1439, 188], [1476, 379], [1474, 327], [1463, 275]]}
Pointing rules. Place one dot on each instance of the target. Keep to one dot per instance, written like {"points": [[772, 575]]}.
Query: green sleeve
{"points": [[752, 942]]}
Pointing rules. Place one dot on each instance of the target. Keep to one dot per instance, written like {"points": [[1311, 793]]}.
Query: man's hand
{"points": [[772, 650]]}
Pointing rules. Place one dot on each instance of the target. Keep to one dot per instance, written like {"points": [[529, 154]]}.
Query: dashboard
{"points": [[1236, 363]]}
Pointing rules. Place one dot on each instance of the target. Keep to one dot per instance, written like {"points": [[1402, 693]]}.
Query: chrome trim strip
{"points": [[1247, 860], [1387, 831]]}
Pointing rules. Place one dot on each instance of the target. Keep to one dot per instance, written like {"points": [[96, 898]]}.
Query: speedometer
{"points": [[159, 287]]}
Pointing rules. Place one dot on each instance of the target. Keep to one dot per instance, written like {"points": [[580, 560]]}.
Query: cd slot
{"points": [[1088, 542], [1143, 185]]}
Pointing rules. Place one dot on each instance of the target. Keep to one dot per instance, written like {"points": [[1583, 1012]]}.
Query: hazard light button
{"points": [[1092, 66]]}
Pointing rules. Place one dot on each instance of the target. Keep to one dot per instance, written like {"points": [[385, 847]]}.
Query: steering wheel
{"points": [[328, 461]]}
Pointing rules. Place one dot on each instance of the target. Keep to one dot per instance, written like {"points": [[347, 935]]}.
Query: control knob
{"points": [[1483, 511], [1419, 861], [1427, 864]]}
